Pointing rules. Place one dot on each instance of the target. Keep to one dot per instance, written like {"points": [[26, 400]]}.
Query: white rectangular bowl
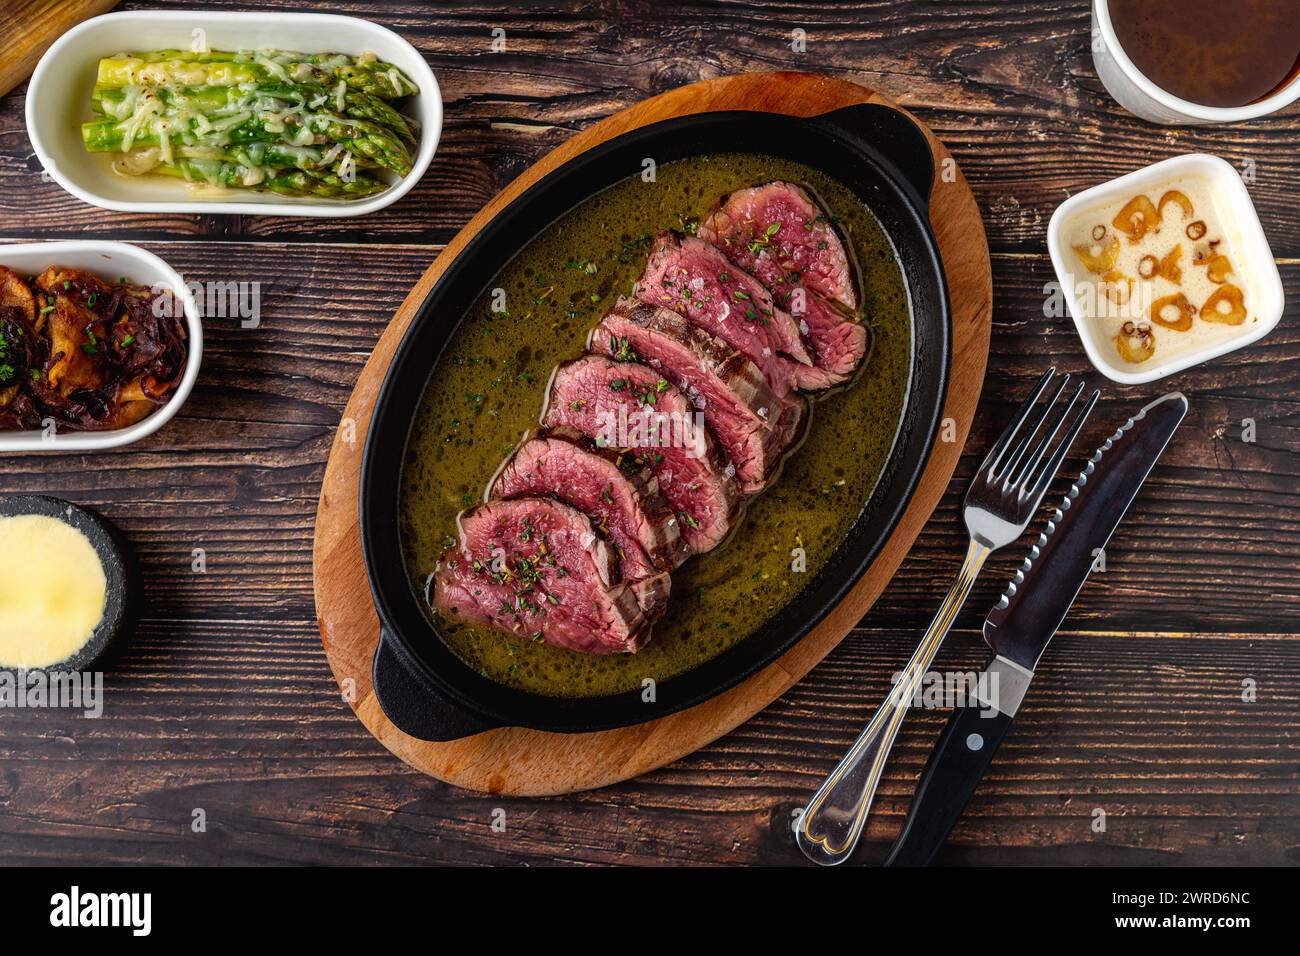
{"points": [[58, 101], [109, 261], [1257, 265]]}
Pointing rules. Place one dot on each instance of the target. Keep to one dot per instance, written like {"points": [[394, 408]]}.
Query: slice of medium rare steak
{"points": [[695, 279], [779, 235], [621, 498], [751, 422], [838, 343], [636, 410], [535, 568]]}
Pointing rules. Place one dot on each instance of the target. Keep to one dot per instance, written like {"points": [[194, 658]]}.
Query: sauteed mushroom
{"points": [[89, 354]]}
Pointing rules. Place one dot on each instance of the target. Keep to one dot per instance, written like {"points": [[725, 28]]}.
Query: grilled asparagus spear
{"points": [[176, 68], [119, 102], [297, 182], [360, 137]]}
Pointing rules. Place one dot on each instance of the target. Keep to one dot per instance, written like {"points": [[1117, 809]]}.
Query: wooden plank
{"points": [[225, 701], [242, 719]]}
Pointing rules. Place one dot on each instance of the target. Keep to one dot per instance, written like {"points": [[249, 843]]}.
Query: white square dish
{"points": [[1258, 269], [58, 100], [108, 260]]}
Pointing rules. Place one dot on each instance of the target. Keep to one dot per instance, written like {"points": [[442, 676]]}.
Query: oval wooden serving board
{"points": [[528, 762]]}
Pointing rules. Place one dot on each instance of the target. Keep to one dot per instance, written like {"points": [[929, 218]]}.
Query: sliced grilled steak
{"points": [[692, 277], [838, 343], [753, 425], [778, 234], [621, 498], [535, 567], [636, 410]]}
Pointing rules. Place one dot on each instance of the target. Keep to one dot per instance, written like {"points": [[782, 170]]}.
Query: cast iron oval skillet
{"points": [[882, 157]]}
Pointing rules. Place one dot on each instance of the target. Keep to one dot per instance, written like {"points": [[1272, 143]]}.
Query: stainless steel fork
{"points": [[1004, 495]]}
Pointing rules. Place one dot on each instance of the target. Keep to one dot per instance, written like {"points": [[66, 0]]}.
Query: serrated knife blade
{"points": [[1036, 601], [1024, 621]]}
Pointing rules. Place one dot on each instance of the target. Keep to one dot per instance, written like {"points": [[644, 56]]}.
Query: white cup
{"points": [[1141, 97]]}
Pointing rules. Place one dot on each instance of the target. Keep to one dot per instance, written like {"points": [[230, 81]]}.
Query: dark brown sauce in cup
{"points": [[1217, 53]]}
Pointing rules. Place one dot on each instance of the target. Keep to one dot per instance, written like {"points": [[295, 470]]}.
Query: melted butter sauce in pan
{"points": [[489, 388]]}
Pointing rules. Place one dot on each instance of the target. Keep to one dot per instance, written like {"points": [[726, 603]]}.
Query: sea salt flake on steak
{"points": [[838, 345], [533, 567]]}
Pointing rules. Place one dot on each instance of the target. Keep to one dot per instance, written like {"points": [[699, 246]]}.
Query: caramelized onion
{"points": [[1196, 230], [97, 356], [1098, 232], [1147, 266], [1231, 296]]}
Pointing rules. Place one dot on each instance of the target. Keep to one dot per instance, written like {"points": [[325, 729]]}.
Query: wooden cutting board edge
{"points": [[515, 761], [31, 26]]}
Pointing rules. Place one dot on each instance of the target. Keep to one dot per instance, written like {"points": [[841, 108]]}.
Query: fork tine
{"points": [[993, 458], [1049, 470], [1035, 458], [1022, 446]]}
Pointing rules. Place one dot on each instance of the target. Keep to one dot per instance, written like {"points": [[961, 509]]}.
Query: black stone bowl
{"points": [[119, 571]]}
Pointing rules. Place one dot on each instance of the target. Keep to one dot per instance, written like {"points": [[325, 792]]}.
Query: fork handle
{"points": [[829, 827]]}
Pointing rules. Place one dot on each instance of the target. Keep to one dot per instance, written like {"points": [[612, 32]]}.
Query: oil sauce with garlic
{"points": [[491, 381], [1157, 273]]}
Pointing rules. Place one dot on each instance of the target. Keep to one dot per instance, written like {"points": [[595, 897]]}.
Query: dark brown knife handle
{"points": [[956, 765]]}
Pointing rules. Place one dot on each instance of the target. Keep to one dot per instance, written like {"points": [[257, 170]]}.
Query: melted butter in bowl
{"points": [[1165, 268], [63, 585], [52, 591]]}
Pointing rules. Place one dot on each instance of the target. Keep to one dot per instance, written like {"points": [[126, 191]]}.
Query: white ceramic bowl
{"points": [[1258, 269], [110, 261], [1137, 94], [58, 101]]}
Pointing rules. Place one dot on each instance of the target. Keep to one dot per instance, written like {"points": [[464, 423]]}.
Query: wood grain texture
{"points": [[517, 761], [225, 702], [30, 26]]}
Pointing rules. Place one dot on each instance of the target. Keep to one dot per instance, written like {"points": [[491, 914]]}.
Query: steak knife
{"points": [[1023, 622]]}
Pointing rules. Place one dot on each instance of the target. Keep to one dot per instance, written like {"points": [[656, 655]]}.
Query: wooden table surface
{"points": [[224, 702]]}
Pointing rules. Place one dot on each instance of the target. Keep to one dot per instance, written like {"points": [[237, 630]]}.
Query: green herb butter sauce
{"points": [[489, 389]]}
